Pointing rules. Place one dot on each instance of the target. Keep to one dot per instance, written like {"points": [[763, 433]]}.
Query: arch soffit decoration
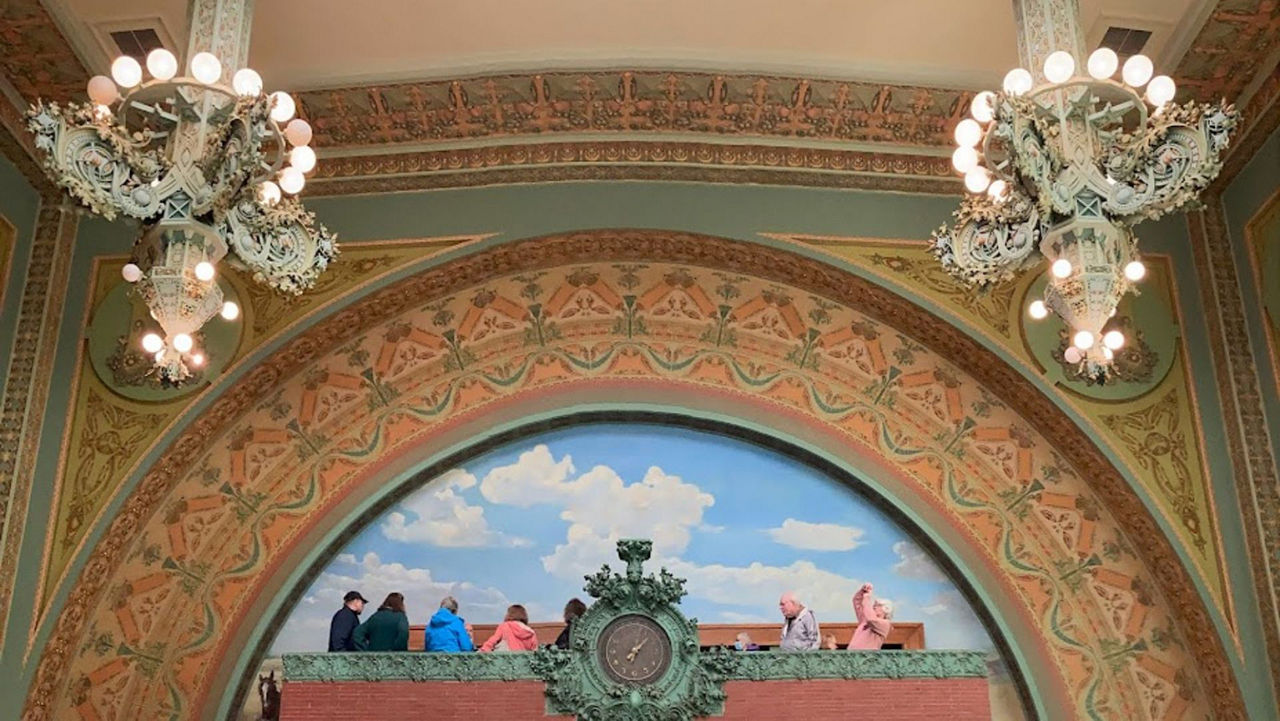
{"points": [[247, 477]]}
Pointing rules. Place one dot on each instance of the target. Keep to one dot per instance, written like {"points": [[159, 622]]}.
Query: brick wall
{"points": [[954, 699]]}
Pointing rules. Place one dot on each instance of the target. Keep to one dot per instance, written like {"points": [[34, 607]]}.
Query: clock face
{"points": [[634, 649]]}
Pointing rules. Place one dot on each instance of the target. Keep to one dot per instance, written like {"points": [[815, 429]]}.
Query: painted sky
{"points": [[524, 523]]}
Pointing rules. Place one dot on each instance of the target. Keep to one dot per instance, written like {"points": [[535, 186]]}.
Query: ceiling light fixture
{"points": [[201, 162]]}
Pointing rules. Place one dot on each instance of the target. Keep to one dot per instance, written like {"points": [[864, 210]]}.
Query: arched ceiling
{"points": [[306, 44]]}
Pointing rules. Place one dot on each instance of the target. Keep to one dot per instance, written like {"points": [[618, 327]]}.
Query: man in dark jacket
{"points": [[345, 622]]}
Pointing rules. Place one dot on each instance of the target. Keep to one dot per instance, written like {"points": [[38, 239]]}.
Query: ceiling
{"points": [[306, 44]]}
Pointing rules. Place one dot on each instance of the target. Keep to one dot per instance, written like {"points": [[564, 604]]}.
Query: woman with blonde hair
{"points": [[513, 634]]}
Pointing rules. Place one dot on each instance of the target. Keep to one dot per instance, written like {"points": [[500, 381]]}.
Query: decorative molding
{"points": [[138, 515], [621, 159], [1245, 422], [34, 55], [1231, 48], [777, 665], [26, 387], [598, 102], [750, 666], [408, 666]]}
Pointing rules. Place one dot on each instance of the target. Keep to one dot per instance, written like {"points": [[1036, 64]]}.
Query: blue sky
{"points": [[523, 523]]}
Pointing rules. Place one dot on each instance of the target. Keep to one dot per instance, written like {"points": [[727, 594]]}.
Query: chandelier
{"points": [[210, 169], [1063, 171]]}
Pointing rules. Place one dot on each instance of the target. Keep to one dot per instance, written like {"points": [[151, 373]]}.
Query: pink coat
{"points": [[515, 636], [871, 631]]}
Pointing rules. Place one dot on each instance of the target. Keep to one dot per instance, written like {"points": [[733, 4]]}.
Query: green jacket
{"points": [[385, 630]]}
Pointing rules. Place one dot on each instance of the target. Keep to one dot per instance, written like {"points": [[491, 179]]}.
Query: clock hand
{"points": [[635, 650]]}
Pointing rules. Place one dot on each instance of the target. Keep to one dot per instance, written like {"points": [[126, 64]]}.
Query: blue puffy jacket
{"points": [[447, 633]]}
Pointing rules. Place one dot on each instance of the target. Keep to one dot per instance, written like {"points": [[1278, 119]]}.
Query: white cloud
{"points": [[308, 626], [817, 536], [601, 508], [949, 622], [441, 517], [914, 563], [535, 477], [827, 594]]}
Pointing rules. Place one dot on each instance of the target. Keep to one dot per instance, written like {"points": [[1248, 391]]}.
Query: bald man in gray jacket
{"points": [[799, 627]]}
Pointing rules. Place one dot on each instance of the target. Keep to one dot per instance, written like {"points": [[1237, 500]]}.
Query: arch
{"points": [[284, 450], [667, 403]]}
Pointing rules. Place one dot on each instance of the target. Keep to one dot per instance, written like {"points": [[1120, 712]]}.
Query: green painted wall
{"points": [[1246, 195], [524, 210]]}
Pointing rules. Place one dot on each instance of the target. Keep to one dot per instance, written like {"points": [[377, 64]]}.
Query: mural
{"points": [[524, 524]]}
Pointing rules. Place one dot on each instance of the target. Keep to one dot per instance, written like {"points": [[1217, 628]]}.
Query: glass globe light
{"points": [[968, 133], [1083, 340], [152, 343], [1059, 67], [197, 359], [246, 82], [1017, 81], [230, 311], [1103, 63], [159, 357], [303, 158], [1038, 310], [204, 270], [131, 272], [102, 90], [269, 193], [1061, 268], [1137, 70], [998, 190], [182, 342], [1113, 339], [1108, 353], [1072, 355], [162, 64], [298, 132], [291, 180], [1161, 90], [206, 68], [983, 106], [964, 159], [977, 180], [1135, 271], [282, 107], [126, 71]]}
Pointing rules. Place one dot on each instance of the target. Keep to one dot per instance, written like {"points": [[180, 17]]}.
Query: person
{"points": [[345, 621], [513, 634], [744, 643], [799, 627], [573, 610], [447, 632], [387, 629], [873, 621], [829, 642]]}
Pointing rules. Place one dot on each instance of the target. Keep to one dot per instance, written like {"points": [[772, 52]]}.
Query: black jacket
{"points": [[562, 641], [340, 629]]}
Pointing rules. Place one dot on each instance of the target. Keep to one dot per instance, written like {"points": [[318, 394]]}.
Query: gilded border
{"points": [[26, 388], [1245, 423]]}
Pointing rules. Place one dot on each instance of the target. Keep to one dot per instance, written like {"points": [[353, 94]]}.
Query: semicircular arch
{"points": [[280, 452]]}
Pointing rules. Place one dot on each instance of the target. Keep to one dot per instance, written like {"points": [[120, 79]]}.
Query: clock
{"points": [[634, 649]]}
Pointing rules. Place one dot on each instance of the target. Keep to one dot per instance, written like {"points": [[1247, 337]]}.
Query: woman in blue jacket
{"points": [[447, 632]]}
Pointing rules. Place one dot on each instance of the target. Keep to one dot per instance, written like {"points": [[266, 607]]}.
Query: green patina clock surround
{"points": [[633, 655]]}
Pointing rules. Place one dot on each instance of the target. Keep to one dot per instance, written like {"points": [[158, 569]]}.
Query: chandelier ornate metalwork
{"points": [[210, 168], [1063, 171]]}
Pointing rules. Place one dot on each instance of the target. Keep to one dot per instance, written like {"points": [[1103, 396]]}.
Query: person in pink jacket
{"points": [[873, 621], [513, 634]]}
